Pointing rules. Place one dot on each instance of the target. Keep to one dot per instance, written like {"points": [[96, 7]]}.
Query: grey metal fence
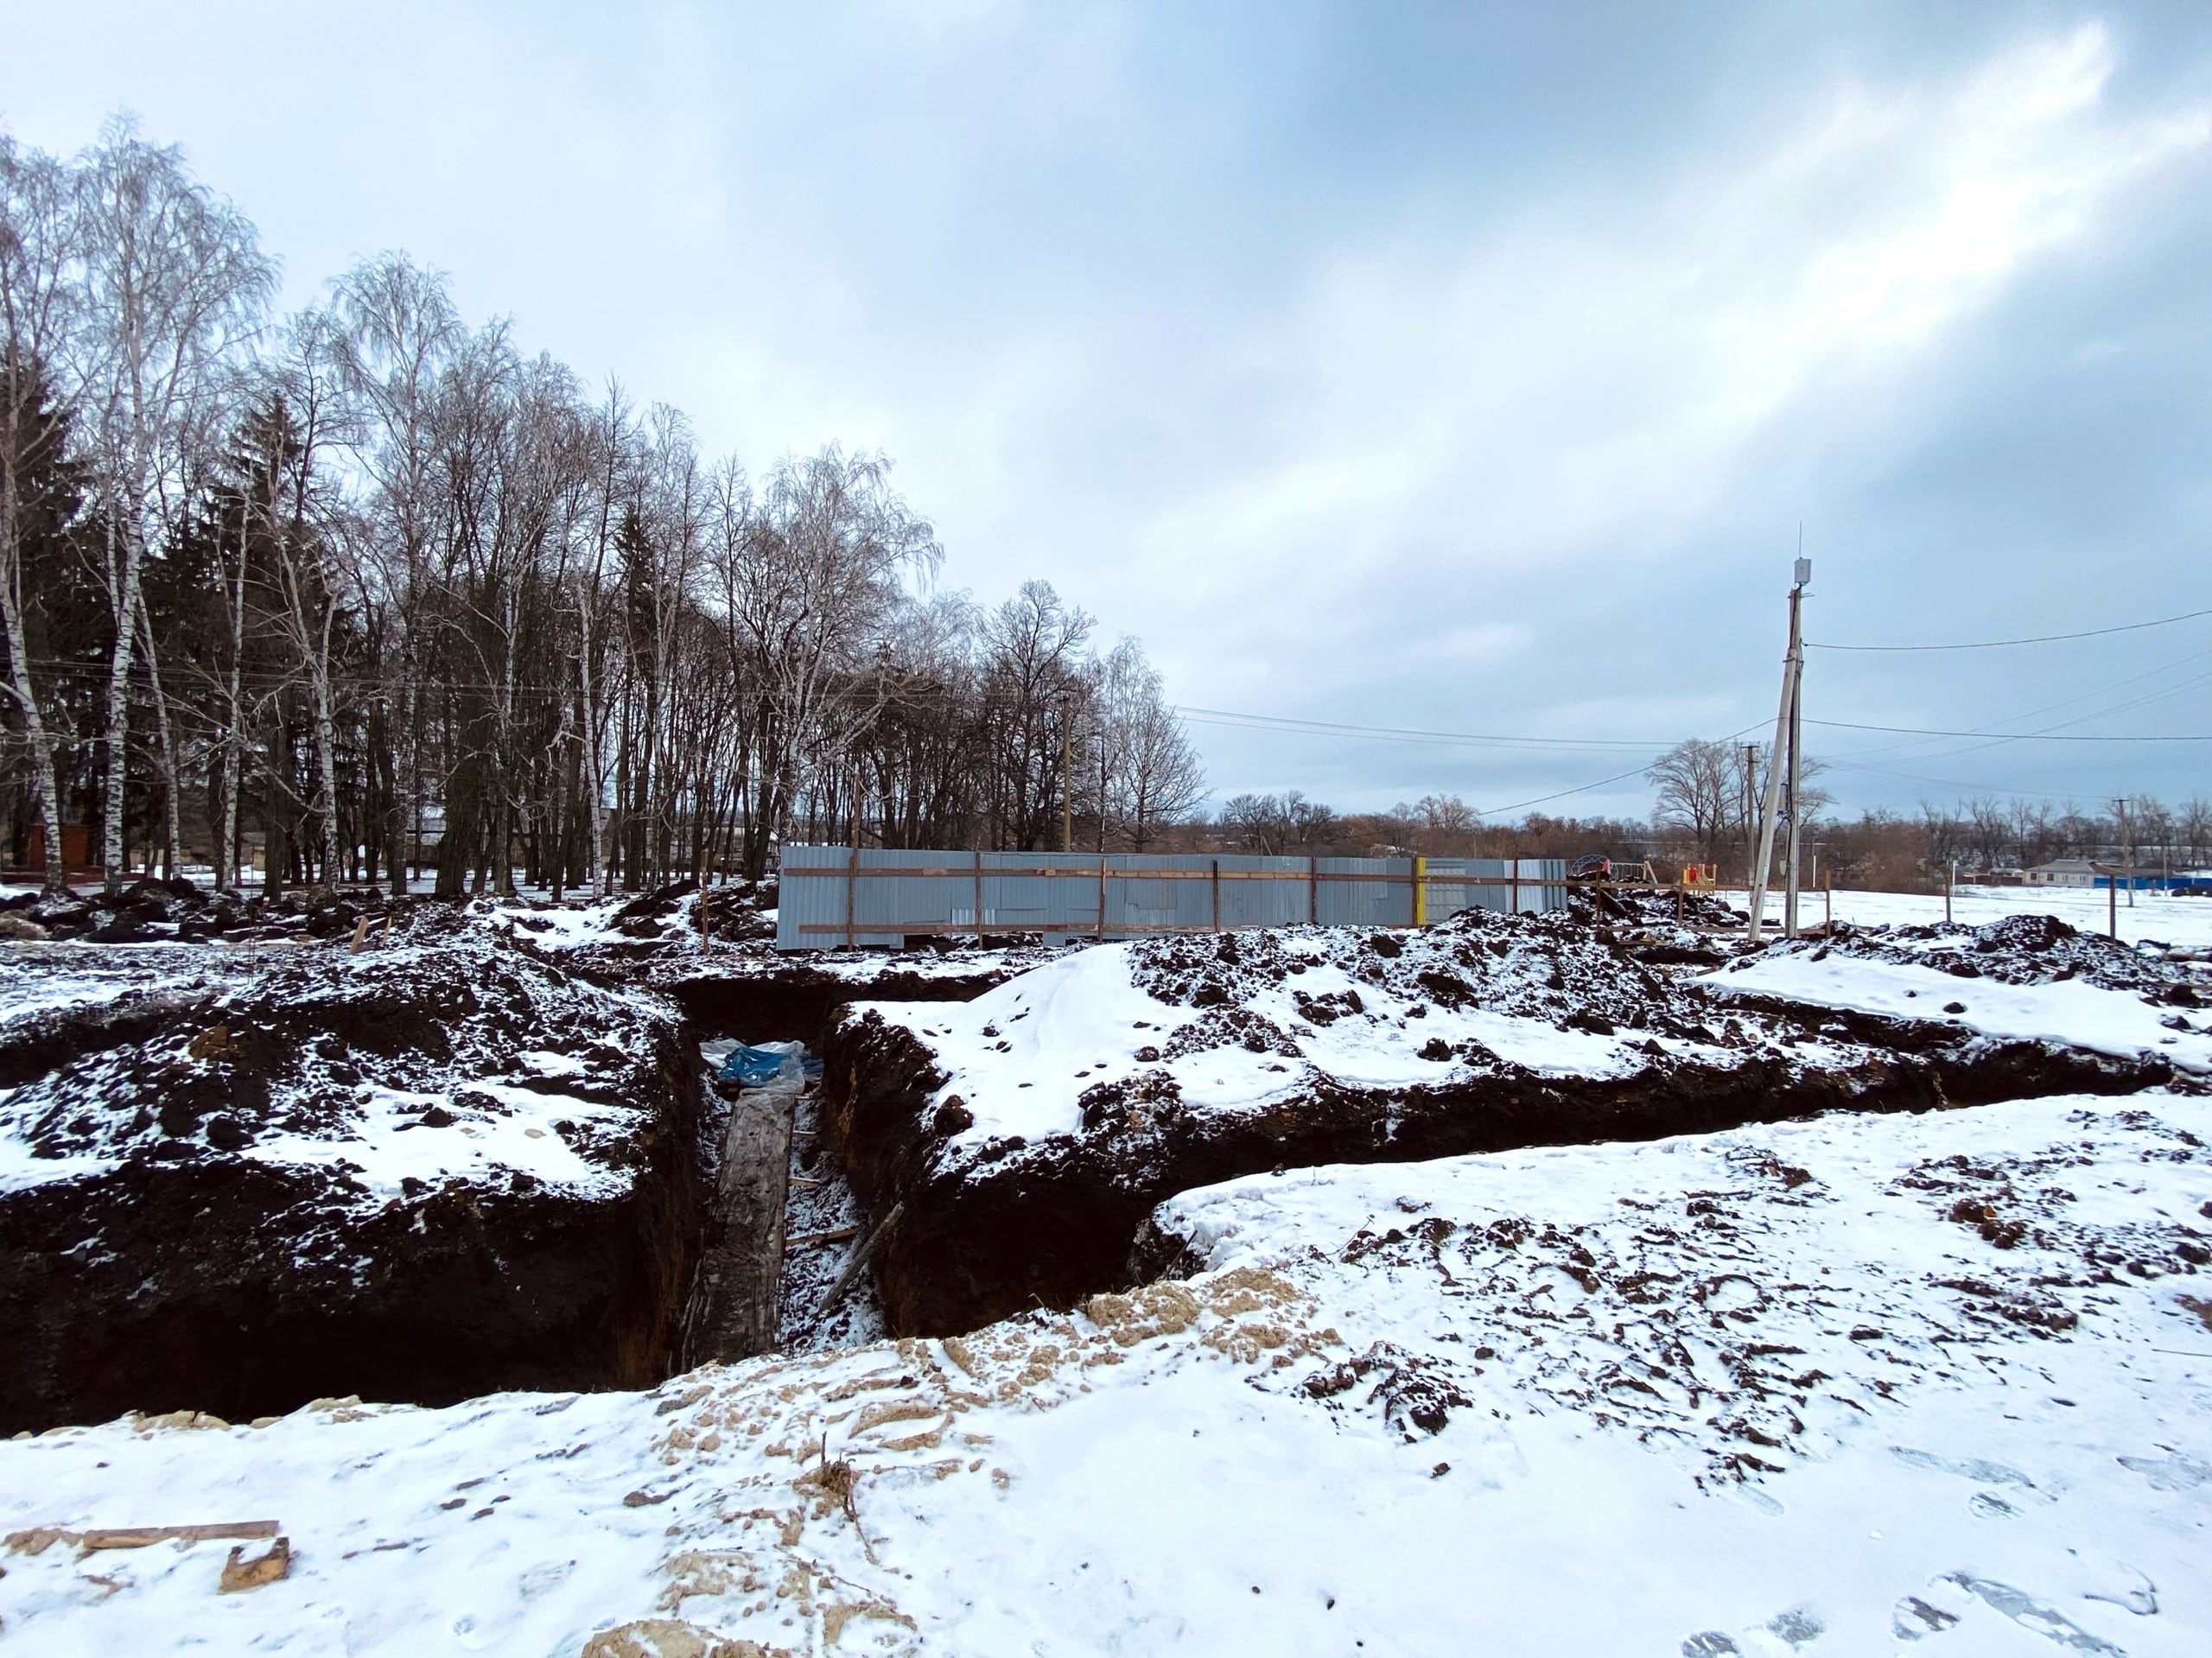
{"points": [[833, 896]]}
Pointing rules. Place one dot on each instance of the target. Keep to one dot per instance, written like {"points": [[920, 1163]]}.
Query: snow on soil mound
{"points": [[1249, 1019], [442, 1054], [2024, 976], [1819, 1387]]}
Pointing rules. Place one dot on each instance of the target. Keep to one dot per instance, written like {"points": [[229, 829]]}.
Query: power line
{"points": [[1493, 811], [1237, 720], [1952, 783], [2011, 736], [1995, 741], [2040, 639]]}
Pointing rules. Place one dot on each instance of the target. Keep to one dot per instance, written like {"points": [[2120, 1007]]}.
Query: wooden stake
{"points": [[859, 1259]]}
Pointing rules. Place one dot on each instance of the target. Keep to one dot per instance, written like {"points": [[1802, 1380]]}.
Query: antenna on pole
{"points": [[1782, 766]]}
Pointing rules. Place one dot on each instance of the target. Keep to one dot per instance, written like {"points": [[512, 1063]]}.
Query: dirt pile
{"points": [[434, 1169], [994, 1222], [2021, 950], [151, 911]]}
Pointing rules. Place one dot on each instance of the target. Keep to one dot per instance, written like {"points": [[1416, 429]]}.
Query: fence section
{"points": [[832, 896]]}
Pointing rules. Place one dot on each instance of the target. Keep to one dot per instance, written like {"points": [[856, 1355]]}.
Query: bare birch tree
{"points": [[38, 301], [174, 282]]}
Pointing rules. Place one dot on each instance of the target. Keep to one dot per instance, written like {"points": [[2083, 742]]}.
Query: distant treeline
{"points": [[1879, 850], [367, 588]]}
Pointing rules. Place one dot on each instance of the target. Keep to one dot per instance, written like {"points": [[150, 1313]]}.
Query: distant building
{"points": [[2063, 871]]}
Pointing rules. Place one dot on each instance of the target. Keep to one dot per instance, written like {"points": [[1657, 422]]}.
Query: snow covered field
{"points": [[1820, 1388], [2018, 978], [2184, 922]]}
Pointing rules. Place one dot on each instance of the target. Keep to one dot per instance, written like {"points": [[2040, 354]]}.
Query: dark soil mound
{"points": [[989, 1229], [313, 1177], [2020, 949]]}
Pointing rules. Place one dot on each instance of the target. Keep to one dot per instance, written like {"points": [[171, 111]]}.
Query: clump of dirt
{"points": [[151, 911], [1550, 967], [302, 1044]]}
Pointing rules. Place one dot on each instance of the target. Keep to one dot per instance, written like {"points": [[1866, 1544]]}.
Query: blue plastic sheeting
{"points": [[756, 1067]]}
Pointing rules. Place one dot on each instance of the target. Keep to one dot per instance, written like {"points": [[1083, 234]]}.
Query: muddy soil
{"points": [[151, 911], [281, 1181], [989, 1230]]}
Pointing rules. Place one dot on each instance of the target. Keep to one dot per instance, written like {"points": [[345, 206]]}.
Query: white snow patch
{"points": [[2067, 1011], [1156, 1476]]}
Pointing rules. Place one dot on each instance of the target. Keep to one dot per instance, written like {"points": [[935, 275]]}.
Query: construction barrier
{"points": [[830, 896]]}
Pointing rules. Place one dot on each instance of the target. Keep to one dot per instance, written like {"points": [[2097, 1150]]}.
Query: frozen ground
{"points": [[1823, 1388], [2184, 922], [1244, 1023], [2021, 978], [1236, 1027], [438, 1055]]}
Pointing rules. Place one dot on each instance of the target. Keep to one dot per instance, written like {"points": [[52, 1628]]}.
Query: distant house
{"points": [[2063, 871]]}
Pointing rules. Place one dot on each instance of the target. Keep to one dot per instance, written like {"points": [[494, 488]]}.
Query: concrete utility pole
{"points": [[1782, 767]]}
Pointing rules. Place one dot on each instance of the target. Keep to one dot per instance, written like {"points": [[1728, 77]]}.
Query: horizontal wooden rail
{"points": [[1432, 879]]}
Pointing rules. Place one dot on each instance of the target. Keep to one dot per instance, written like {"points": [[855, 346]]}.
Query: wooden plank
{"points": [[837, 1235], [733, 1312], [145, 1536]]}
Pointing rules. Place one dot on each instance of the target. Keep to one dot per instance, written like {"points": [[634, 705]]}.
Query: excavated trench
{"points": [[236, 1248], [796, 1001], [1054, 1222], [198, 1269]]}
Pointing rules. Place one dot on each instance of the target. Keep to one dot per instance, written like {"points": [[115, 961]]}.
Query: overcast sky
{"points": [[1462, 368]]}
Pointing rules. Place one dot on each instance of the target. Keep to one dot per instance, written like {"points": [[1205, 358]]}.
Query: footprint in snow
{"points": [[1784, 1633], [2030, 1613]]}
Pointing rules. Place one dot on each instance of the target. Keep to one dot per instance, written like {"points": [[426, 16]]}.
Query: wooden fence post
{"points": [[1216, 895], [852, 894]]}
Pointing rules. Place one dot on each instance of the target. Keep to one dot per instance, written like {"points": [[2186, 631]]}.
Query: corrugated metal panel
{"points": [[1504, 885], [831, 896]]}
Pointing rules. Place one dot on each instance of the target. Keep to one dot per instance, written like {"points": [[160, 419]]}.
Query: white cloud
{"points": [[1572, 377]]}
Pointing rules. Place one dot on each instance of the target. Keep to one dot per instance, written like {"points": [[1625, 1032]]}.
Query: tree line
{"points": [[1706, 805], [370, 590]]}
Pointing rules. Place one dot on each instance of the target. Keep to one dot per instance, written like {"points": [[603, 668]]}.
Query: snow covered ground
{"points": [[1238, 1024], [2184, 922], [2020, 977], [1820, 1387], [399, 1068]]}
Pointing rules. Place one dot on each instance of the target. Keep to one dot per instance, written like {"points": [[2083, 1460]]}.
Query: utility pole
{"points": [[1782, 764]]}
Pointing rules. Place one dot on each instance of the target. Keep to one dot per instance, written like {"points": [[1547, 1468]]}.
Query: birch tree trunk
{"points": [[20, 683], [124, 573], [226, 850], [173, 839]]}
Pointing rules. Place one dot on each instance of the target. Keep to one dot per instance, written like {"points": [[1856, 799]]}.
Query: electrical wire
{"points": [[2017, 736], [1234, 720], [2049, 708], [1999, 645]]}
